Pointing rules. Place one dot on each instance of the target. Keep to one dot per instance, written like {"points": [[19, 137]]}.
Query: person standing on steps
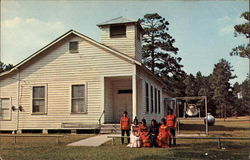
{"points": [[125, 126], [171, 123]]}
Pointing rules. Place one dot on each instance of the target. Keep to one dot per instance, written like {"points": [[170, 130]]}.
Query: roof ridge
{"points": [[117, 20]]}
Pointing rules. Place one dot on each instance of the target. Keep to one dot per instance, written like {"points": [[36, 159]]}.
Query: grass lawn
{"points": [[46, 148]]}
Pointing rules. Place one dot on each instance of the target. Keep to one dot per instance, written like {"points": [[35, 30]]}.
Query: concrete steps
{"points": [[110, 129]]}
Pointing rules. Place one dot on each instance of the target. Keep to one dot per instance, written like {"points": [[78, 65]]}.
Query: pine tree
{"points": [[222, 91], [243, 29], [191, 88], [5, 67], [245, 92], [159, 54], [203, 88]]}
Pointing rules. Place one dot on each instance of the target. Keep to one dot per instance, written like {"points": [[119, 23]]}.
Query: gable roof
{"points": [[113, 51], [118, 20]]}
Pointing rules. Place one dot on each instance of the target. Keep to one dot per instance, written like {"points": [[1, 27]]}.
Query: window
{"points": [[38, 99], [147, 97], [5, 109], [78, 100], [117, 31], [73, 47], [156, 100], [159, 101], [152, 99]]}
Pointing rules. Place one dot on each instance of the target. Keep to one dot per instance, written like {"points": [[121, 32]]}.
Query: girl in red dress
{"points": [[164, 134], [144, 135]]}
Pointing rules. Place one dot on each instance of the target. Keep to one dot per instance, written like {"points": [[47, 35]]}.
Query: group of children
{"points": [[156, 135]]}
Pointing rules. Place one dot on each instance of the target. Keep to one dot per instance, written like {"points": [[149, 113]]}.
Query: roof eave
{"points": [[101, 25]]}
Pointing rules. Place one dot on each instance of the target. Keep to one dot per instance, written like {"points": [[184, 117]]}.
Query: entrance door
{"points": [[122, 102]]}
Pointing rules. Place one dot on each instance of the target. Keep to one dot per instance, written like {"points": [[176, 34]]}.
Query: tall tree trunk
{"points": [[221, 111], [153, 55], [225, 112], [153, 64]]}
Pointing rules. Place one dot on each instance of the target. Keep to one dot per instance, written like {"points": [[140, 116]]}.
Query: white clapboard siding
{"points": [[124, 44], [58, 70], [8, 89], [142, 78]]}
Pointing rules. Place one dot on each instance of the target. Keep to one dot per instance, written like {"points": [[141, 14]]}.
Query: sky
{"points": [[203, 29]]}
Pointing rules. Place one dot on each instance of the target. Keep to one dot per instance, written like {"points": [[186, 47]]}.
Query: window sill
{"points": [[118, 36], [39, 114], [73, 52], [5, 119], [79, 113]]}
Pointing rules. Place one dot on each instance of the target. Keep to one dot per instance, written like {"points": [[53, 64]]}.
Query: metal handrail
{"points": [[99, 120]]}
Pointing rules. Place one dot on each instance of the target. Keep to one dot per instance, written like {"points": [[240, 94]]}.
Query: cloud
{"points": [[11, 23], [24, 36], [223, 19], [226, 24], [240, 20], [227, 30]]}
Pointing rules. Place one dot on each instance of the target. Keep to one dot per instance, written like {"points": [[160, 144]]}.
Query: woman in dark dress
{"points": [[153, 133]]}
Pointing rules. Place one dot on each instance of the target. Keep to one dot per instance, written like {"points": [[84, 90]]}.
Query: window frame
{"points": [[159, 101], [85, 98], [117, 35], [45, 99], [156, 100], [152, 98], [10, 111], [74, 51], [147, 97]]}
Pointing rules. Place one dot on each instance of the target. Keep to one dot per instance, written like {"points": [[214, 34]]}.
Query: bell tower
{"points": [[123, 35]]}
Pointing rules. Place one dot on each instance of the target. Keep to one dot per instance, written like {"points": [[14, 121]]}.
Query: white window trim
{"points": [[10, 110], [85, 98], [46, 99]]}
